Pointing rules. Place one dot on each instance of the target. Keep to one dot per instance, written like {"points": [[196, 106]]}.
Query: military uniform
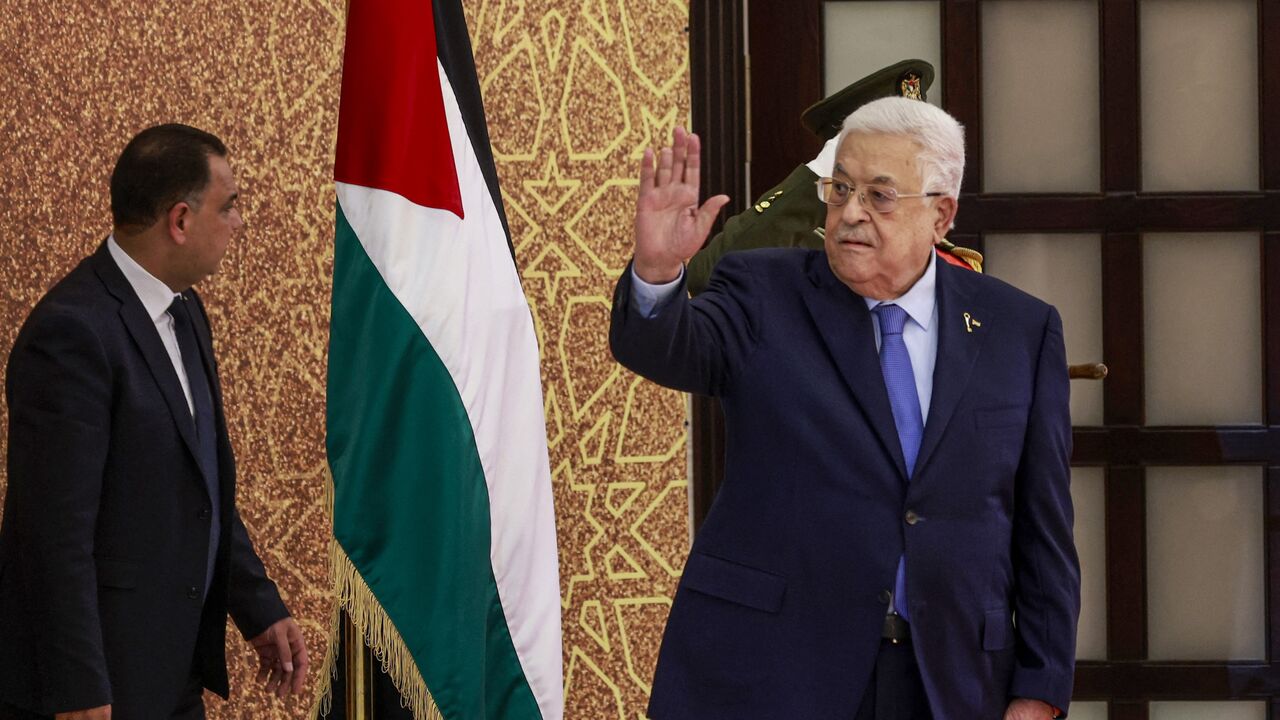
{"points": [[784, 216]]}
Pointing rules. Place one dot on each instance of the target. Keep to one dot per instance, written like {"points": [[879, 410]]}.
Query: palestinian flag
{"points": [[444, 536]]}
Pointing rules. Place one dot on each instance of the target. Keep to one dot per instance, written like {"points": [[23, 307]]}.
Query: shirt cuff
{"points": [[647, 297]]}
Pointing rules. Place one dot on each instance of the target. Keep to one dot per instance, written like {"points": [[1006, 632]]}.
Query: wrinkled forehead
{"points": [[878, 158]]}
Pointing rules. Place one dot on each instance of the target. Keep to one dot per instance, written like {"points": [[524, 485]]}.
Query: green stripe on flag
{"points": [[411, 507]]}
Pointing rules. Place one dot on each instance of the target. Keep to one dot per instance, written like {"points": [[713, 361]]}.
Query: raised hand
{"points": [[670, 226]]}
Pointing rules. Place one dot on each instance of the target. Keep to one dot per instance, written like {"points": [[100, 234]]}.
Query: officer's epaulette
{"points": [[764, 203], [965, 257]]}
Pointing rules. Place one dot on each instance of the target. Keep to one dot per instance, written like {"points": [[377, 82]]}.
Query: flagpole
{"points": [[356, 672]]}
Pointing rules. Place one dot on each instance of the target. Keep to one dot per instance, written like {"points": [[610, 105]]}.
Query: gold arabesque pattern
{"points": [[574, 90]]}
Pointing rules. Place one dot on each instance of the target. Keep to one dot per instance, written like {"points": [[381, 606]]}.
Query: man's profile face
{"points": [[881, 255], [214, 219]]}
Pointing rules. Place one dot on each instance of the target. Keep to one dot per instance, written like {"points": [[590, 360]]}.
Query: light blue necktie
{"points": [[900, 381]]}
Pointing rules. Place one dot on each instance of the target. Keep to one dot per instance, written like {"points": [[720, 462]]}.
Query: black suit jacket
{"points": [[105, 540]]}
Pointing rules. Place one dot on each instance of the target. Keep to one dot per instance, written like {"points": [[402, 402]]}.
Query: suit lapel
{"points": [[958, 349], [143, 331], [844, 323]]}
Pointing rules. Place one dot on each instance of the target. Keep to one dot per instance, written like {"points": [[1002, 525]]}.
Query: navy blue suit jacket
{"points": [[105, 542], [780, 608]]}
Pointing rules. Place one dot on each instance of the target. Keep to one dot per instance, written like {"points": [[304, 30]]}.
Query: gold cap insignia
{"points": [[909, 86]]}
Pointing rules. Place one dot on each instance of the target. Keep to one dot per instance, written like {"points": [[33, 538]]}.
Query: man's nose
{"points": [[853, 212]]}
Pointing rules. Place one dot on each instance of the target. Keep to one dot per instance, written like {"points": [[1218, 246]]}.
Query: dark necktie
{"points": [[206, 433], [900, 381]]}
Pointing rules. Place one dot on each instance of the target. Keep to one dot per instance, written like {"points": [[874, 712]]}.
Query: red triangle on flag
{"points": [[392, 130]]}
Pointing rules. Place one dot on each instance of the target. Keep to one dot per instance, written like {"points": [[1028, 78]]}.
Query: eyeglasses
{"points": [[877, 198]]}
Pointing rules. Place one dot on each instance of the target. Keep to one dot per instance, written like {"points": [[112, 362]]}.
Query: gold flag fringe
{"points": [[380, 634]]}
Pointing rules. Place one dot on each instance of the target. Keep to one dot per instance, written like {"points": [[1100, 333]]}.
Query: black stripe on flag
{"points": [[453, 44]]}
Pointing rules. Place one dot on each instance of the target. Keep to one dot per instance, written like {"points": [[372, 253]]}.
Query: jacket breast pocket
{"points": [[735, 583], [119, 574], [997, 630]]}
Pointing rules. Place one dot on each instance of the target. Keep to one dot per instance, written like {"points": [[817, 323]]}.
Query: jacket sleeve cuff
{"points": [[1049, 687]]}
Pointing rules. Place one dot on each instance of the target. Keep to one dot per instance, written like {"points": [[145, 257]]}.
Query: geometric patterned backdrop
{"points": [[574, 90]]}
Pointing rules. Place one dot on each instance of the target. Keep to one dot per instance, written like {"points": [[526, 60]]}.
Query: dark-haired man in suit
{"points": [[121, 551]]}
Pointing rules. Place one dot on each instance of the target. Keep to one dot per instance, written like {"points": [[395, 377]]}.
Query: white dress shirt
{"points": [[156, 298], [920, 335]]}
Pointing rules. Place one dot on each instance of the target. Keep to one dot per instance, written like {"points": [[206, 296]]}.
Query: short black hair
{"points": [[160, 166]]}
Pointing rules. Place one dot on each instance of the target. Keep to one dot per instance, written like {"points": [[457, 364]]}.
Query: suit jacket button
{"points": [[885, 596], [193, 592], [912, 518], [205, 514]]}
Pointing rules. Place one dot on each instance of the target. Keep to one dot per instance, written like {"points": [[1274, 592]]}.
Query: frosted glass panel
{"points": [[1199, 94], [862, 37], [1203, 307], [1204, 564], [1040, 117], [1088, 495], [1088, 711], [1066, 272], [1205, 711]]}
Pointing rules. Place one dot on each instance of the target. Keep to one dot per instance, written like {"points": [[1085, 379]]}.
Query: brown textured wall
{"points": [[574, 90]]}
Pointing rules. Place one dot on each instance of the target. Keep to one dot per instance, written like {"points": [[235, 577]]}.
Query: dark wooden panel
{"points": [[1122, 335], [1036, 213], [718, 87], [1244, 445], [1271, 533], [1119, 212], [1271, 325], [962, 81], [718, 70], [1269, 91], [1126, 549], [1269, 122], [786, 74], [1121, 80], [1128, 681]]}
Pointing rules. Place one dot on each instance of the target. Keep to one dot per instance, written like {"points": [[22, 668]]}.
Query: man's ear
{"points": [[179, 217], [946, 207]]}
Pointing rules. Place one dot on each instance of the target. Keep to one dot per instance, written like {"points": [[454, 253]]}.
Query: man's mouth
{"points": [[855, 242]]}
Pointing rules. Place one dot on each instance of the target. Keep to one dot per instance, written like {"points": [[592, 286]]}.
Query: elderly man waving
{"points": [[900, 545]]}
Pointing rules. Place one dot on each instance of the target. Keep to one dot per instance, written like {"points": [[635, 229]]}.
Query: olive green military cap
{"points": [[909, 78]]}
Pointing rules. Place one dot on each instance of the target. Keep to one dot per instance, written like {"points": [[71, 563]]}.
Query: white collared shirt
{"points": [[920, 335], [156, 298]]}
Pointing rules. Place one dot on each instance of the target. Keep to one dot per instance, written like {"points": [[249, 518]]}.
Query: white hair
{"points": [[940, 137]]}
